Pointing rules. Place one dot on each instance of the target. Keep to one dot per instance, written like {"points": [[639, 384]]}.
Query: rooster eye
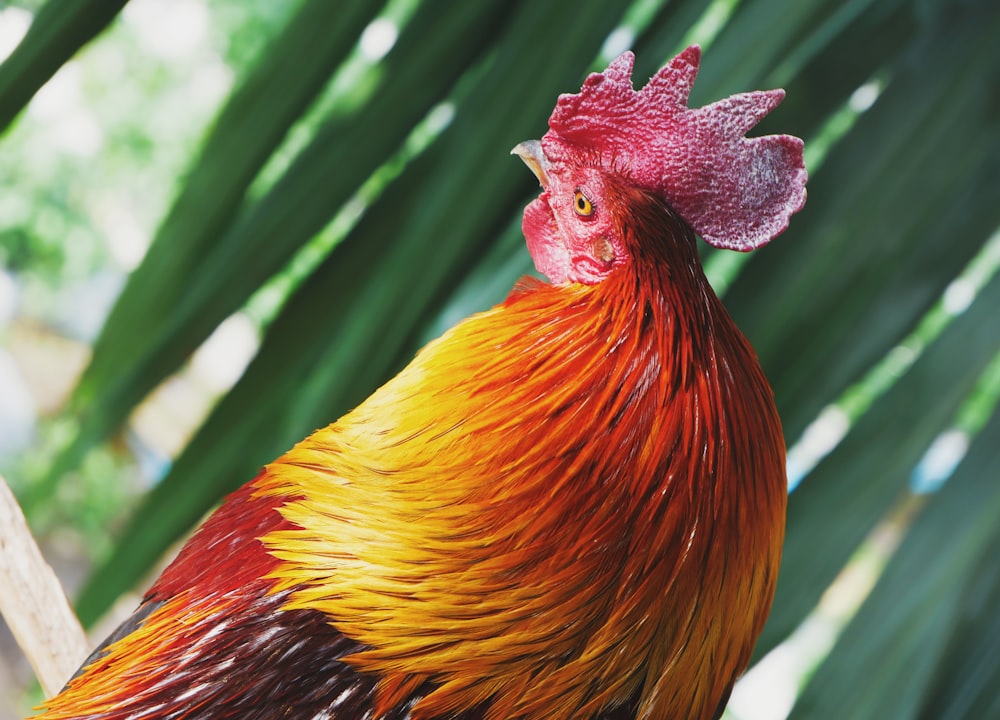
{"points": [[582, 205]]}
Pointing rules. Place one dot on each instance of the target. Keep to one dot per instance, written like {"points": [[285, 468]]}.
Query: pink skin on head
{"points": [[736, 192], [545, 245], [570, 235]]}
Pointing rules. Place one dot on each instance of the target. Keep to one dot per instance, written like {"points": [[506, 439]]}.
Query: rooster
{"points": [[569, 506]]}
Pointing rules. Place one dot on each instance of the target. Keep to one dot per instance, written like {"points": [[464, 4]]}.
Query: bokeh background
{"points": [[223, 222]]}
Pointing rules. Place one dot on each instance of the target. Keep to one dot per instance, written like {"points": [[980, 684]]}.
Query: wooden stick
{"points": [[33, 603]]}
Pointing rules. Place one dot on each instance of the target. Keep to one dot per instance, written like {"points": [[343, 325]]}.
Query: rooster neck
{"points": [[536, 497]]}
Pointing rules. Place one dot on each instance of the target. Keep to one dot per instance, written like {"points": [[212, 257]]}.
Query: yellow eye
{"points": [[582, 205]]}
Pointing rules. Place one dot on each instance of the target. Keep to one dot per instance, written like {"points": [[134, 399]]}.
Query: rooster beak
{"points": [[531, 152]]}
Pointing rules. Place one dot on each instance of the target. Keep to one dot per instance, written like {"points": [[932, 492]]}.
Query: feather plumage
{"points": [[567, 504]]}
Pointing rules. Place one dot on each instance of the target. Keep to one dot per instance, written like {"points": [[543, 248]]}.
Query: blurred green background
{"points": [[224, 222]]}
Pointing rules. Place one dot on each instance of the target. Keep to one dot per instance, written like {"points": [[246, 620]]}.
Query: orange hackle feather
{"points": [[574, 497]]}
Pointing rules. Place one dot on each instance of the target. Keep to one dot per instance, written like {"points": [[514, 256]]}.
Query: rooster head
{"points": [[735, 192]]}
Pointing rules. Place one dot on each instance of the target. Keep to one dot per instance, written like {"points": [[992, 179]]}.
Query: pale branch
{"points": [[33, 603]]}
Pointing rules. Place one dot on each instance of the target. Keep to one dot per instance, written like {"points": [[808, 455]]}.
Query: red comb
{"points": [[736, 192]]}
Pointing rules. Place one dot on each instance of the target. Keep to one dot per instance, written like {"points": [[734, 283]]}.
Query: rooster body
{"points": [[569, 506]]}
